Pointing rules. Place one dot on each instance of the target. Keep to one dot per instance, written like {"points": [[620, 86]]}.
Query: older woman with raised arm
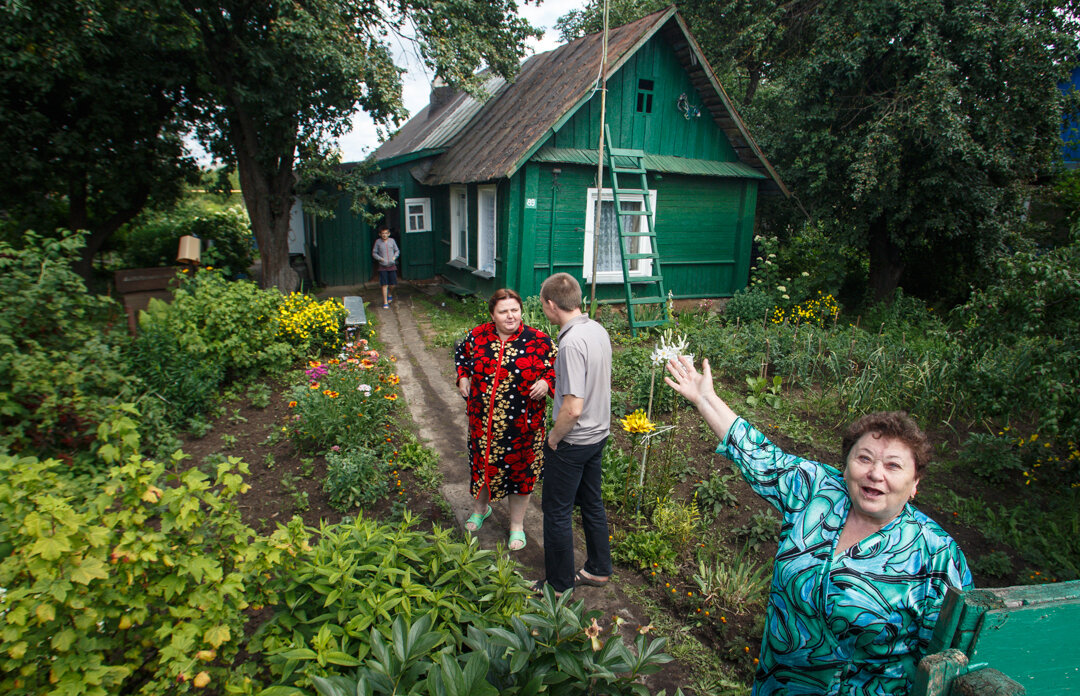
{"points": [[860, 574], [505, 370]]}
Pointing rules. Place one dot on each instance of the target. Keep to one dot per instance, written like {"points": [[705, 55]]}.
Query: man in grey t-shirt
{"points": [[575, 443]]}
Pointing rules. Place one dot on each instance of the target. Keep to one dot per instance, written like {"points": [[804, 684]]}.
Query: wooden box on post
{"points": [[137, 285]]}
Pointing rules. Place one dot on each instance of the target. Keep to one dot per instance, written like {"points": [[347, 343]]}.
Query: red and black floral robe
{"points": [[506, 427]]}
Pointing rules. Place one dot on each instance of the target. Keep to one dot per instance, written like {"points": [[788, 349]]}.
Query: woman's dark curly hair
{"points": [[892, 424]]}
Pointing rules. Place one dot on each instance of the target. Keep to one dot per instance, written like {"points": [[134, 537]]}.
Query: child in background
{"points": [[386, 253]]}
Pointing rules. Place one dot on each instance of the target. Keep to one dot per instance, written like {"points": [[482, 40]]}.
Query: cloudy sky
{"points": [[362, 139]]}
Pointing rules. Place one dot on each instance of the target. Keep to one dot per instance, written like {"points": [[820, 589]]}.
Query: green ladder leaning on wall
{"points": [[652, 292]]}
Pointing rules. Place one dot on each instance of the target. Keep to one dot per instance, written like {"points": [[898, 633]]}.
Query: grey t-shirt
{"points": [[583, 369]]}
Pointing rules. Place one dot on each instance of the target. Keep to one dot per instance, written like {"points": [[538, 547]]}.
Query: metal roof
{"points": [[668, 164], [489, 141]]}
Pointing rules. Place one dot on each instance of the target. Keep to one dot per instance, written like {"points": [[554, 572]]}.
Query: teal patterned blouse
{"points": [[857, 623]]}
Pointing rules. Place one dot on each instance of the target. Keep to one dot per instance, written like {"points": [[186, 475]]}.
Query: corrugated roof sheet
{"points": [[490, 141], [667, 164]]}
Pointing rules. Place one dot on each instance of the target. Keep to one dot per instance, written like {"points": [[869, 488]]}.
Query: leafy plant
{"points": [[714, 493], [424, 461], [644, 549], [258, 395], [126, 582], [355, 477], [763, 528], [765, 391], [992, 457], [677, 521], [300, 501], [361, 575], [735, 587], [995, 564]]}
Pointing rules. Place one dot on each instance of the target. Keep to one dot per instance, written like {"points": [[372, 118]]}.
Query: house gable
{"points": [[669, 119]]}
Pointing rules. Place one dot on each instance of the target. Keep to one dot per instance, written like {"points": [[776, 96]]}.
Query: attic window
{"points": [[644, 96]]}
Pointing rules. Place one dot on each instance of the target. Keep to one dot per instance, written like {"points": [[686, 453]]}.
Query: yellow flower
{"points": [[637, 422]]}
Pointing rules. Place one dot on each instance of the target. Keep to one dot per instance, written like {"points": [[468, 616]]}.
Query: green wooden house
{"points": [[502, 193]]}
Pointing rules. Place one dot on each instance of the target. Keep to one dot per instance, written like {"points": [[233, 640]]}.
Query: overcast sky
{"points": [[362, 140]]}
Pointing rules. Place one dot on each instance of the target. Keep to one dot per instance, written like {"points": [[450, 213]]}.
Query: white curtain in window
{"points": [[608, 250], [486, 229]]}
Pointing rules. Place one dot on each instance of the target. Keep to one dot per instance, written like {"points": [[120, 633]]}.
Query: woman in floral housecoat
{"points": [[505, 370]]}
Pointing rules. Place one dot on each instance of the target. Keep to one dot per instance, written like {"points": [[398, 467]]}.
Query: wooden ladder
{"points": [[651, 287]]}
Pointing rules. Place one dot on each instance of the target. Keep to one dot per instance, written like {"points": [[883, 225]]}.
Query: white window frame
{"points": [[645, 266], [485, 261], [459, 225], [425, 215]]}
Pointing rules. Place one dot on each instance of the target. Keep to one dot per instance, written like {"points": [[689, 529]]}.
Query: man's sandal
{"points": [[580, 578], [517, 538], [477, 520]]}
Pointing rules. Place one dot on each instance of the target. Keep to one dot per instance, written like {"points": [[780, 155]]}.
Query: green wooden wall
{"points": [[665, 131], [704, 227]]}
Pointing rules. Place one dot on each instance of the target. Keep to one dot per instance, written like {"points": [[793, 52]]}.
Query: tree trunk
{"points": [[268, 195], [886, 262]]}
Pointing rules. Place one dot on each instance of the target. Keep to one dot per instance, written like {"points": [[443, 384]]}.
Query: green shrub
{"points": [[226, 239], [992, 457], [995, 564], [762, 529], [355, 477], [186, 381], [750, 305], [62, 362], [714, 493], [361, 575], [126, 583], [233, 324]]}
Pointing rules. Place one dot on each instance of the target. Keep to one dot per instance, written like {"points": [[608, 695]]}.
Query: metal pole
{"points": [[599, 166]]}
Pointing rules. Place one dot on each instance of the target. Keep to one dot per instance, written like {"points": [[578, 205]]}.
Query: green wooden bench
{"points": [[1005, 642]]}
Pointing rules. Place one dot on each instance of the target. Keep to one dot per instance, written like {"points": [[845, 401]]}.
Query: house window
{"points": [[459, 225], [485, 230], [644, 96], [609, 261], [418, 214]]}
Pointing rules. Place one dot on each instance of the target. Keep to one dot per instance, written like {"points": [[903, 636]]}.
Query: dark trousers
{"points": [[572, 477]]}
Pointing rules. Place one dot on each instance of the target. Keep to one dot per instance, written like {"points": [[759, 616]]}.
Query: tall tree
{"points": [[279, 82], [913, 127], [88, 115]]}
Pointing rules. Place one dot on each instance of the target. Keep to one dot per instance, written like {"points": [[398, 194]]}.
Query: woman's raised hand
{"points": [[686, 380], [697, 387]]}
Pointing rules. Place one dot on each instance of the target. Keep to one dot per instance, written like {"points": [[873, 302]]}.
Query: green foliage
{"points": [[232, 323], [644, 549], [678, 522], [361, 575], [714, 494], [126, 582], [355, 477], [762, 529], [735, 587], [556, 647], [995, 564], [897, 169], [1020, 351], [992, 457], [765, 391], [258, 395], [186, 381], [225, 237], [424, 461], [750, 305], [62, 362]]}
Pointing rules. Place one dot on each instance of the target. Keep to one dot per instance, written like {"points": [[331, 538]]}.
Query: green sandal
{"points": [[517, 537], [477, 520]]}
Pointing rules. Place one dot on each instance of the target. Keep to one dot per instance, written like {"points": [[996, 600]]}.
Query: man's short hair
{"points": [[562, 289]]}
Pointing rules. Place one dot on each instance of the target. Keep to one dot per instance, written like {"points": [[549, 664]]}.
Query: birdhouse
{"points": [[190, 249]]}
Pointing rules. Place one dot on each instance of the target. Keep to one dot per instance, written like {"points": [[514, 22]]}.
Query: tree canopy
{"points": [[88, 119], [911, 129]]}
